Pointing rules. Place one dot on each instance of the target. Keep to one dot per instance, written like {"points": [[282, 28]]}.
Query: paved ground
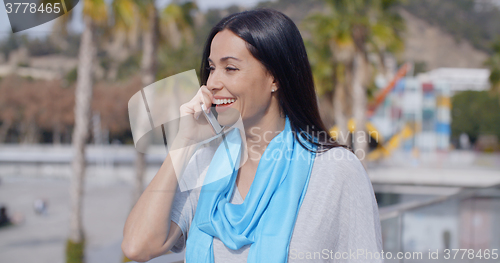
{"points": [[447, 169], [41, 238], [108, 190]]}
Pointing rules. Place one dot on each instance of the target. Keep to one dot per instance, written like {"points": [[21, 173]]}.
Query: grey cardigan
{"points": [[337, 222]]}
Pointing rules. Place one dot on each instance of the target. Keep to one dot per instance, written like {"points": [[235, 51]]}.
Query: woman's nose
{"points": [[214, 82]]}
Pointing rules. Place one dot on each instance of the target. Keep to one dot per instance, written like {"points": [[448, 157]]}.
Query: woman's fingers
{"points": [[194, 106], [207, 97], [197, 110], [191, 129]]}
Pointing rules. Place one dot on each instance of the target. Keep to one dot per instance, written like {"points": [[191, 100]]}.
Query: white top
{"points": [[337, 222]]}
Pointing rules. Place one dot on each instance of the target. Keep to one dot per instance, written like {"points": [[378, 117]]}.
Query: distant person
{"points": [[40, 206], [4, 218], [464, 141], [299, 192]]}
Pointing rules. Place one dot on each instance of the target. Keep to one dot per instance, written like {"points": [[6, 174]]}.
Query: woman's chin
{"points": [[229, 117]]}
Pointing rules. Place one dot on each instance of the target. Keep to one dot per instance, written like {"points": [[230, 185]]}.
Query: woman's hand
{"points": [[194, 128]]}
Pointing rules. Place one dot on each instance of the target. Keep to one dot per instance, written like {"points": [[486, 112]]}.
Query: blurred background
{"points": [[413, 86]]}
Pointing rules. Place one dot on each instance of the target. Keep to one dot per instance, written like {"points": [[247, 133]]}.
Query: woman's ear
{"points": [[274, 86]]}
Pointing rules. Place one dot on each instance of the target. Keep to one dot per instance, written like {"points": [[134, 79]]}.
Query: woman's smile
{"points": [[223, 103]]}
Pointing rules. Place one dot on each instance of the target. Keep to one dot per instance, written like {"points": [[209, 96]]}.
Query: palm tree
{"points": [[94, 14], [149, 21], [331, 54], [131, 16], [177, 24], [353, 29], [123, 28], [176, 20], [177, 34], [494, 64]]}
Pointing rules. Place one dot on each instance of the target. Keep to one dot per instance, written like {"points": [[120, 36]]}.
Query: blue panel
{"points": [[443, 128], [400, 85]]}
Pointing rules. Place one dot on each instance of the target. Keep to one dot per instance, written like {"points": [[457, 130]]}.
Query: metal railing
{"points": [[450, 227]]}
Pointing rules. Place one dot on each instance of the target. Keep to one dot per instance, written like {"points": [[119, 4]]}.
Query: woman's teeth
{"points": [[224, 101]]}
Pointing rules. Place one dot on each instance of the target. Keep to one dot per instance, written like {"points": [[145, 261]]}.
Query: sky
{"points": [[77, 24]]}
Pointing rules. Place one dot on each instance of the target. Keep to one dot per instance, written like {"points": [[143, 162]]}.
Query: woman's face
{"points": [[239, 79]]}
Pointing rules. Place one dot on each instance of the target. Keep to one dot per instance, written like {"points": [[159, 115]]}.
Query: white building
{"points": [[459, 79]]}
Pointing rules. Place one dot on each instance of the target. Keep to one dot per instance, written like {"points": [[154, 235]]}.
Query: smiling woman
{"points": [[298, 193], [234, 73]]}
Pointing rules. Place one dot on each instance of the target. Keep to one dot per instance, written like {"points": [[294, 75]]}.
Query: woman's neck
{"points": [[260, 133]]}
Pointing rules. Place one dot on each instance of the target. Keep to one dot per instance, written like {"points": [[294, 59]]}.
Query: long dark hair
{"points": [[274, 40]]}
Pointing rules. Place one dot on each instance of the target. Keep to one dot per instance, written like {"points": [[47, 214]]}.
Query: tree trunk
{"points": [[148, 68], [339, 100], [4, 129], [96, 128], [382, 67], [29, 132], [359, 107], [83, 97], [148, 65], [56, 134]]}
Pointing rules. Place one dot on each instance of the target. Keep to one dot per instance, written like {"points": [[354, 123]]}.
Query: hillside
{"points": [[431, 47], [440, 33], [477, 21], [459, 38]]}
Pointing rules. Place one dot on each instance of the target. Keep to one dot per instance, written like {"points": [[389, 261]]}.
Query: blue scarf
{"points": [[267, 216]]}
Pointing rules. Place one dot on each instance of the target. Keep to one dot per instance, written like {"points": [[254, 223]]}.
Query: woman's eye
{"points": [[212, 68]]}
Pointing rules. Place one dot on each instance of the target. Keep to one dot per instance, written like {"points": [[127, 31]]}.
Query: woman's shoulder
{"points": [[339, 165], [194, 174]]}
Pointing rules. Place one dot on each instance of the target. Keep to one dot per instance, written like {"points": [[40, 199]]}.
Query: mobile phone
{"points": [[211, 119]]}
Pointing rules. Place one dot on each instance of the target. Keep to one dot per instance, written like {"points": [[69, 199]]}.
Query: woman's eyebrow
{"points": [[229, 57], [224, 59]]}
